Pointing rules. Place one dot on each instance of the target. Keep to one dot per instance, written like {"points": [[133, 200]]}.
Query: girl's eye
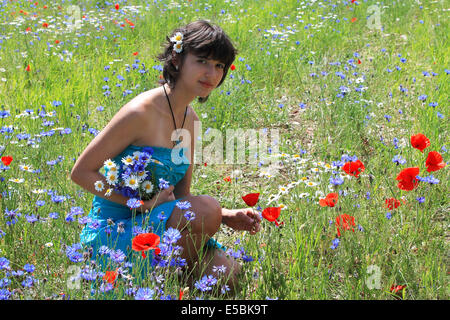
{"points": [[221, 66]]}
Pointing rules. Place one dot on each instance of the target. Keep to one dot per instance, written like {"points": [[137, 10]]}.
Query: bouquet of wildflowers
{"points": [[132, 178]]}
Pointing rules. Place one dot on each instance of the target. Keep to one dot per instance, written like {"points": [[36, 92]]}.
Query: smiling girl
{"points": [[196, 60]]}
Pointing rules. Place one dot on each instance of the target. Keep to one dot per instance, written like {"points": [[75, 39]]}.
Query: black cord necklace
{"points": [[173, 117]]}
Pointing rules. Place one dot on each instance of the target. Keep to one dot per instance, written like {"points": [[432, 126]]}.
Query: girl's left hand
{"points": [[245, 219]]}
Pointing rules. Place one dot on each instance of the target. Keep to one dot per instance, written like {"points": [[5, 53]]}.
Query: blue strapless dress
{"points": [[104, 211]]}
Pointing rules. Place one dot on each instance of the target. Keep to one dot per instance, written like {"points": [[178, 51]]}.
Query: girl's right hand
{"points": [[165, 195]]}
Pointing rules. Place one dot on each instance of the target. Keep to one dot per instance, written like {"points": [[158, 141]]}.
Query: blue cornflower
{"points": [[335, 243], [76, 211], [171, 236], [4, 294], [420, 199], [31, 219], [1, 233], [69, 217], [28, 282], [433, 104], [336, 180], [163, 184], [144, 294], [4, 263], [423, 97], [84, 220], [388, 117], [388, 216], [73, 254], [206, 283], [133, 203], [117, 256], [189, 215], [29, 268], [183, 205], [53, 215], [398, 160]]}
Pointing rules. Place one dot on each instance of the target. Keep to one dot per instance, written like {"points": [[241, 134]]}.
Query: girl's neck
{"points": [[179, 98]]}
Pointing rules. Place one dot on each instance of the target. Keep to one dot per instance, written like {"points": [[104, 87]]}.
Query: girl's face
{"points": [[200, 75]]}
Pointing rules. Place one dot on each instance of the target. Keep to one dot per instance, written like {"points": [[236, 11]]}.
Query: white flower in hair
{"points": [[178, 37], [178, 47]]}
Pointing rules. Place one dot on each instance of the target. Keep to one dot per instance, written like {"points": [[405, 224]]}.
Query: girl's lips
{"points": [[206, 84]]}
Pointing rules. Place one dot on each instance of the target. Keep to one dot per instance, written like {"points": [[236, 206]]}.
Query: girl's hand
{"points": [[165, 195], [245, 219]]}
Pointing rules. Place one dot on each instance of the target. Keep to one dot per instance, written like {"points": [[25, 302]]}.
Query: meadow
{"points": [[358, 91]]}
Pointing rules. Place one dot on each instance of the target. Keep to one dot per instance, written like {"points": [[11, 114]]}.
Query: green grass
{"points": [[276, 40]]}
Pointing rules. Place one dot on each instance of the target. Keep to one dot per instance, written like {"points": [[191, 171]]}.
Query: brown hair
{"points": [[202, 39]]}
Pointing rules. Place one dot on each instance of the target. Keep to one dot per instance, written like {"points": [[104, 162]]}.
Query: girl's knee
{"points": [[208, 216]]}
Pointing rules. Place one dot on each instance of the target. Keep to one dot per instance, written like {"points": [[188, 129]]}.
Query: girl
{"points": [[196, 61]]}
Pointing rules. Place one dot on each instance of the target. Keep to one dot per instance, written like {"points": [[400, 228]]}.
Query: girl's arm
{"points": [[120, 132]]}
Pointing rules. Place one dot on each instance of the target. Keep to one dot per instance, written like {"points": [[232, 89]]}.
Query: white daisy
{"points": [[177, 37], [25, 167], [128, 160], [283, 190], [108, 192], [142, 175], [111, 177], [109, 164], [132, 182], [178, 47], [147, 186], [99, 186], [282, 206], [17, 180], [311, 184]]}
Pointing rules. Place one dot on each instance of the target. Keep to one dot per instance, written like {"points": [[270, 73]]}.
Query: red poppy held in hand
{"points": [[354, 168], [251, 199], [146, 241], [329, 201], [434, 161], [7, 160], [343, 222], [407, 178], [420, 141]]}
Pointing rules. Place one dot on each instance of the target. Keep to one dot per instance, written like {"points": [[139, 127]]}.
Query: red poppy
{"points": [[397, 290], [251, 199], [45, 25], [407, 178], [227, 179], [7, 160], [353, 20], [344, 221], [146, 241], [420, 141], [28, 29], [110, 276], [233, 67], [117, 6], [354, 168], [329, 201], [135, 53], [271, 214], [392, 203], [180, 296], [434, 161], [28, 68]]}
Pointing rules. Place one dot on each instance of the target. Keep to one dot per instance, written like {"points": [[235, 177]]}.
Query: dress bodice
{"points": [[169, 164]]}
